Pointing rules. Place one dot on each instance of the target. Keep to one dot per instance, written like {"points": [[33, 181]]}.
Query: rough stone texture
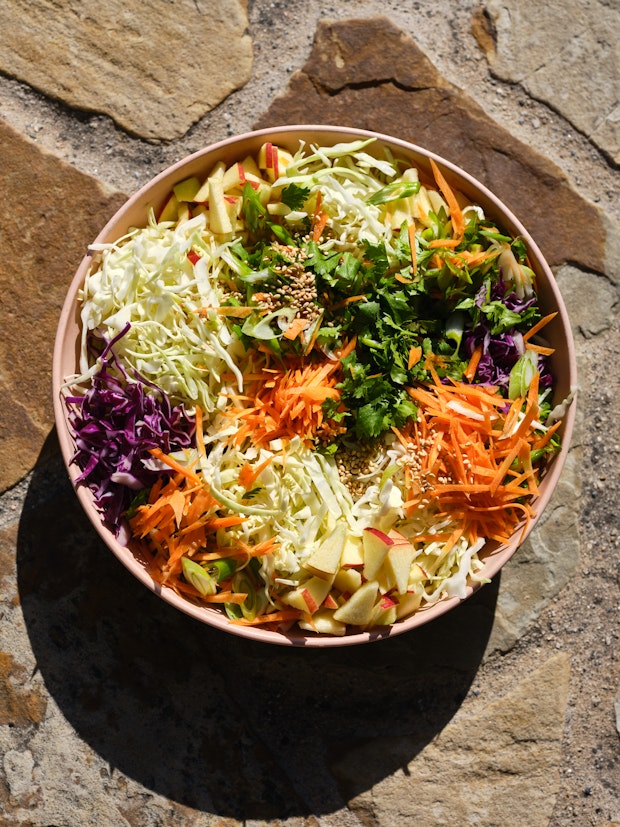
{"points": [[510, 751], [544, 564], [48, 214], [574, 68], [155, 68], [117, 710], [412, 102]]}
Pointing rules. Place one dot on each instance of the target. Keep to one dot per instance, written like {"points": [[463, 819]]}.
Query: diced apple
{"points": [[186, 190], [358, 609], [325, 560], [170, 210], [376, 544], [421, 207], [408, 603], [250, 169], [308, 596], [398, 565], [330, 602], [278, 208], [216, 173], [324, 623], [219, 219], [397, 537], [234, 177], [348, 580], [417, 574], [274, 160], [183, 212], [384, 615], [353, 552]]}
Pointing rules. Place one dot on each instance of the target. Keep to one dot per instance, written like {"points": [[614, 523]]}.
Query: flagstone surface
{"points": [[117, 710], [154, 67]]}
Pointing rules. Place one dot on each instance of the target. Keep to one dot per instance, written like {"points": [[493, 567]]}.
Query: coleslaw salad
{"points": [[306, 337]]}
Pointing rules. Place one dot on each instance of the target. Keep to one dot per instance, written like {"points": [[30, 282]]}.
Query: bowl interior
{"points": [[134, 213]]}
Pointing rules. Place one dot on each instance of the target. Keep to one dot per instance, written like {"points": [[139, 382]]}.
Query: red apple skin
{"points": [[385, 538], [330, 603], [309, 601]]}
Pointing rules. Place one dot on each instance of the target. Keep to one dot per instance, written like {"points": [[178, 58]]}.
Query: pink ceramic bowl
{"points": [[153, 194]]}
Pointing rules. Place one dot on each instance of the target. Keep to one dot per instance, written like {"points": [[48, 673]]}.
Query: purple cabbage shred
{"points": [[115, 424]]}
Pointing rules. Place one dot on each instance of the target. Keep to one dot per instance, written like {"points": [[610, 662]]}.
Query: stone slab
{"points": [[574, 68], [414, 103], [155, 68], [509, 751], [49, 212]]}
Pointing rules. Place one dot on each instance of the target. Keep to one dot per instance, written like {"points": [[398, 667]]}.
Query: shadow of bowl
{"points": [[210, 720]]}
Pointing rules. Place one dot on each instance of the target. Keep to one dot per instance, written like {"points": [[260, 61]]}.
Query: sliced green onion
{"points": [[253, 604], [394, 192], [200, 579], [222, 569], [522, 374]]}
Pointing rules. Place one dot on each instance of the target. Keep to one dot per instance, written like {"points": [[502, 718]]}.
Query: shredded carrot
{"points": [[288, 402], [274, 617], [319, 219], [319, 226], [473, 457], [295, 328], [456, 214], [544, 351], [472, 367], [546, 437], [172, 463], [236, 312], [349, 300], [444, 242], [539, 325], [415, 354]]}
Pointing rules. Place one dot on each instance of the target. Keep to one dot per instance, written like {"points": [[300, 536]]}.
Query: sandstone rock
{"points": [[508, 752], [415, 103], [49, 213], [543, 565], [592, 317], [574, 68], [155, 68], [19, 706]]}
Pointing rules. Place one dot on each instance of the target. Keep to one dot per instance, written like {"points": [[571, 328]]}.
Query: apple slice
{"points": [[417, 574], [398, 565], [407, 604], [384, 615], [187, 190], [353, 552], [309, 595], [170, 210], [216, 173], [330, 602], [325, 560], [219, 218], [398, 538], [274, 160], [358, 609], [324, 623], [348, 580], [376, 544]]}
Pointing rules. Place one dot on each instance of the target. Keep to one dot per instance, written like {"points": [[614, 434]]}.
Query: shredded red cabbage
{"points": [[500, 351], [115, 424]]}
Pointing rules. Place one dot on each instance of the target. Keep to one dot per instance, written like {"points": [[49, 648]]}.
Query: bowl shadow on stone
{"points": [[212, 721]]}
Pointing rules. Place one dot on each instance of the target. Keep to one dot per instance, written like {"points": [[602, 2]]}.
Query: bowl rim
{"points": [[494, 559]]}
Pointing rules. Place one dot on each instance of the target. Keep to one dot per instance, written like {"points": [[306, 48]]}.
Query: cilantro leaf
{"points": [[294, 196]]}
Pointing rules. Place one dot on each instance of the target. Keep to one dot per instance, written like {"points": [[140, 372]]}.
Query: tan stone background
{"points": [[115, 710]]}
